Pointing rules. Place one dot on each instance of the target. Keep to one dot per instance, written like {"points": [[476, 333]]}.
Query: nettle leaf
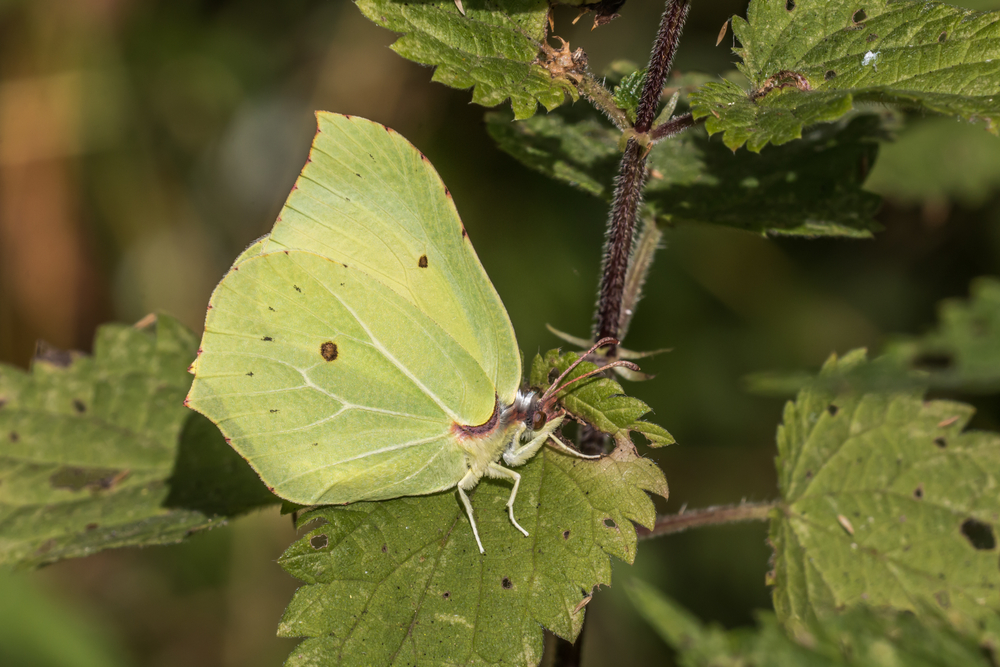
{"points": [[401, 582], [859, 637], [810, 61], [494, 48], [90, 445], [887, 502], [626, 94], [599, 401], [964, 350], [810, 188]]}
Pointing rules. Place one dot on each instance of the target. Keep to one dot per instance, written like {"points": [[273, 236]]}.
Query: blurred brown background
{"points": [[144, 143]]}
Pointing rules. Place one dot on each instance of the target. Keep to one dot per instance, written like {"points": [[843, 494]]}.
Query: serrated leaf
{"points": [[626, 94], [860, 637], [493, 48], [887, 502], [599, 401], [811, 61], [401, 582], [810, 188], [90, 443]]}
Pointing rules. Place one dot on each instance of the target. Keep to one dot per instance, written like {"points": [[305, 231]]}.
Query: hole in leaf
{"points": [[610, 523], [918, 493], [941, 442], [422, 262], [79, 406], [319, 541], [507, 583], [979, 534], [943, 36], [789, 5], [933, 361], [832, 409], [859, 16], [328, 350], [565, 534], [385, 548], [871, 37], [446, 595]]}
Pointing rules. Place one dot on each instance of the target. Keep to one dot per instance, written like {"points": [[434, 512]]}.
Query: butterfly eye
{"points": [[538, 421]]}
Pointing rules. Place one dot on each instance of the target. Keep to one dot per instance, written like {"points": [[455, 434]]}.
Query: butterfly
{"points": [[359, 351]]}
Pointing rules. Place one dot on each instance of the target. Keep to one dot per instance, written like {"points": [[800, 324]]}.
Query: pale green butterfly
{"points": [[359, 351]]}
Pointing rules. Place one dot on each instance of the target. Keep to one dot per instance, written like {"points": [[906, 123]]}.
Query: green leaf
{"points": [[91, 442], [626, 94], [402, 581], [964, 350], [811, 61], [599, 401], [860, 637], [809, 188], [887, 502], [493, 48]]}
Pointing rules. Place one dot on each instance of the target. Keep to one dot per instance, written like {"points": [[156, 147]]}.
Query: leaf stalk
{"points": [[668, 524]]}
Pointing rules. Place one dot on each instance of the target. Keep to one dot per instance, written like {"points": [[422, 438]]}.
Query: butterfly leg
{"points": [[470, 480], [520, 455], [569, 450], [499, 472]]}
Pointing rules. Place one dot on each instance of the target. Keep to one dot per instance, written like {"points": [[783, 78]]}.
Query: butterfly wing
{"points": [[369, 199], [334, 387]]}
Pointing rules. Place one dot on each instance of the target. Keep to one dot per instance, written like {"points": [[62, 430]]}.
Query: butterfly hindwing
{"points": [[334, 387]]}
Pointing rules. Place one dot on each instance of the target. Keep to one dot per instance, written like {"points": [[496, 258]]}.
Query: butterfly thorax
{"points": [[507, 426]]}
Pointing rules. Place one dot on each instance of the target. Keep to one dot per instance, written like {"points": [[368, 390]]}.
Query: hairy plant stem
{"points": [[673, 127], [635, 278], [632, 176], [669, 524], [601, 98]]}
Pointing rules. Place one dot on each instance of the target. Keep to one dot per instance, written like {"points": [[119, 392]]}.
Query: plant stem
{"points": [[595, 91], [673, 127], [669, 524], [635, 277], [632, 176]]}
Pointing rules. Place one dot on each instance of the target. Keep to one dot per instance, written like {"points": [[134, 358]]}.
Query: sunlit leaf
{"points": [[494, 47], [402, 581], [889, 502], [90, 445], [811, 61]]}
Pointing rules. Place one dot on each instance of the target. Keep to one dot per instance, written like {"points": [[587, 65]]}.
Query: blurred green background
{"points": [[144, 143]]}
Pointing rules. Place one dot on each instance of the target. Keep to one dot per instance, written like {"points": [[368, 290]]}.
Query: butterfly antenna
{"points": [[555, 387]]}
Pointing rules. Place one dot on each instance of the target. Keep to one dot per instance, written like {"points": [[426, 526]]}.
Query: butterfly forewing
{"points": [[369, 199]]}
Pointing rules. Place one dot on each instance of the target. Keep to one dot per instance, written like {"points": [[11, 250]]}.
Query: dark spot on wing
{"points": [[422, 262], [357, 174], [250, 374], [297, 289], [90, 526], [941, 442], [274, 410], [319, 542], [271, 309], [918, 493], [267, 339], [447, 193], [464, 233], [79, 406], [315, 444], [14, 437], [328, 350], [507, 583]]}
